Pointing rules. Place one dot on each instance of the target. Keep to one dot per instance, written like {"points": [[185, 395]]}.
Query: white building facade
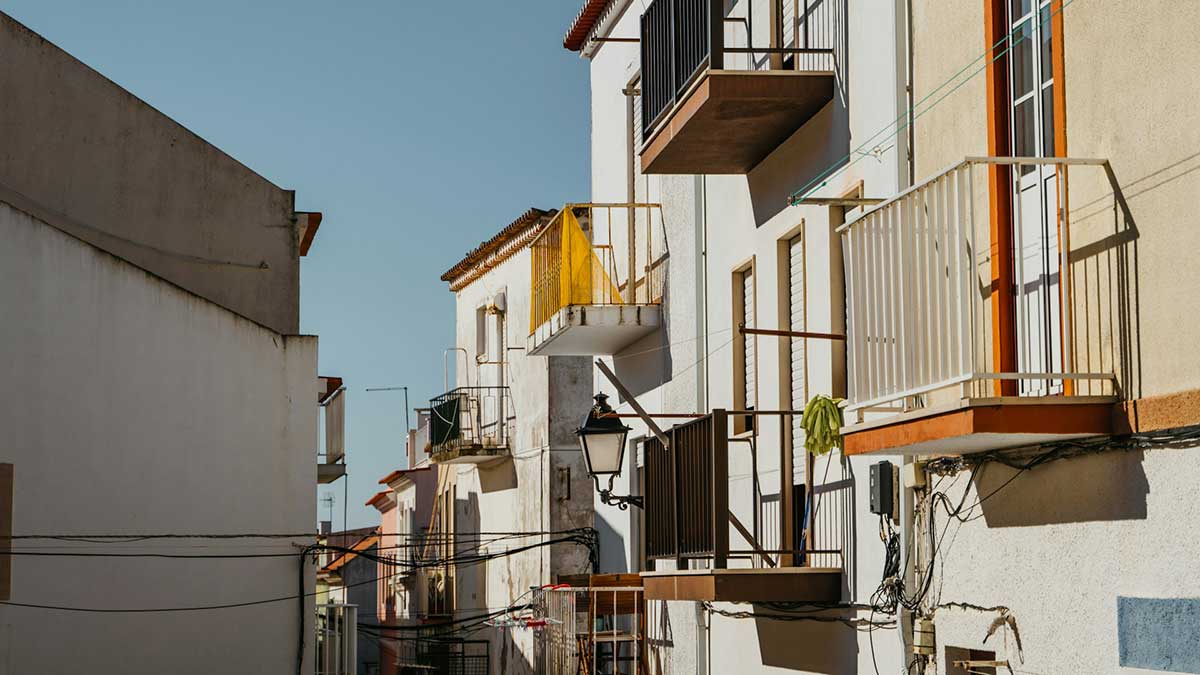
{"points": [[163, 411], [952, 237]]}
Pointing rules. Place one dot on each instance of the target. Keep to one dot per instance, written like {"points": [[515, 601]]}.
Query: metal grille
{"points": [[470, 417], [677, 44], [454, 657], [686, 491]]}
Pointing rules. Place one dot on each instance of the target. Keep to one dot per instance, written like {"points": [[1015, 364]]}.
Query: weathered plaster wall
{"points": [[544, 486], [136, 407], [132, 181]]}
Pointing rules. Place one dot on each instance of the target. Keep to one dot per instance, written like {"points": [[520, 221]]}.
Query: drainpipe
{"points": [[907, 171], [701, 234]]}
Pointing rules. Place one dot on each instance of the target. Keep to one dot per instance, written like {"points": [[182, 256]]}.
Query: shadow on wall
{"points": [[501, 475], [801, 161], [509, 654], [1104, 280], [647, 363], [818, 648], [1105, 487], [821, 145], [612, 545]]}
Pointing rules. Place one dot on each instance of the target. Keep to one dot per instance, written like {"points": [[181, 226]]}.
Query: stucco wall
{"points": [[133, 406], [75, 142], [1062, 544], [543, 487]]}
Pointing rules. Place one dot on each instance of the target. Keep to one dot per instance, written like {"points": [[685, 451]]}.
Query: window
{"points": [[6, 511], [791, 306], [745, 388], [481, 334]]}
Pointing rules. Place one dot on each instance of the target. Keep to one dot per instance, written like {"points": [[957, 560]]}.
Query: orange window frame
{"points": [[999, 144]]}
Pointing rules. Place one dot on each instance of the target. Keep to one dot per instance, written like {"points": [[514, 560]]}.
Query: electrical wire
{"points": [[910, 116], [584, 536]]}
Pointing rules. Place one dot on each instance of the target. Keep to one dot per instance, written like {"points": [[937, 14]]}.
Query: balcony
{"points": [[688, 519], [597, 280], [331, 460], [470, 425], [721, 91], [971, 324]]}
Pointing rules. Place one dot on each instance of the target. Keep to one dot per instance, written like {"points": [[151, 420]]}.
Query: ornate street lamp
{"points": [[602, 439]]}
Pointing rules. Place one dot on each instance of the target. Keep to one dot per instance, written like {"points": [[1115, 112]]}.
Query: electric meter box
{"points": [[883, 488]]}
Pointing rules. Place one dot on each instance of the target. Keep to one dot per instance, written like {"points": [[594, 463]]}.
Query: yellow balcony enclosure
{"points": [[597, 281]]}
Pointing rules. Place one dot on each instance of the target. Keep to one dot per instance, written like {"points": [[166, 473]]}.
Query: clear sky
{"points": [[419, 129]]}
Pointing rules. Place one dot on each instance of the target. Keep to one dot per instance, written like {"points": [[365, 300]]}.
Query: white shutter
{"points": [[748, 320], [335, 427], [797, 322]]}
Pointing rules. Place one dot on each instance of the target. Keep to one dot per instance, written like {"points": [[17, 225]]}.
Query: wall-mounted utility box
{"points": [[914, 474], [883, 489]]}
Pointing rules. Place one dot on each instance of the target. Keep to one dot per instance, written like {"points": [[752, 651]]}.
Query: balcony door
{"points": [[1035, 195]]}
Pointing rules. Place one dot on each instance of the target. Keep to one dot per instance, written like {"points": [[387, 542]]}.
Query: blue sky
{"points": [[418, 129]]}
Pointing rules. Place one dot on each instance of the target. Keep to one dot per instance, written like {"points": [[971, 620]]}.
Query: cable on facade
{"points": [[855, 623], [309, 551]]}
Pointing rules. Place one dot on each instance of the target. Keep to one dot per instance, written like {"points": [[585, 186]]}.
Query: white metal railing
{"points": [[918, 288], [581, 619], [337, 640]]}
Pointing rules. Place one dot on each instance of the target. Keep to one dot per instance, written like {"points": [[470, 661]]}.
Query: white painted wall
{"points": [[132, 406], [543, 487], [715, 225]]}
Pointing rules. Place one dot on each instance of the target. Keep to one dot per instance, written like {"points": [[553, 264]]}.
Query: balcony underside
{"points": [[469, 454], [782, 584], [327, 473], [594, 330], [979, 425], [729, 121]]}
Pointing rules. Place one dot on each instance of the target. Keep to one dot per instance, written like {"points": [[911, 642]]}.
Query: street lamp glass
{"points": [[602, 439]]}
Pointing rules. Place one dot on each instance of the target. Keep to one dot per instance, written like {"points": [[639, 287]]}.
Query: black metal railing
{"points": [[469, 417], [682, 38], [686, 491]]}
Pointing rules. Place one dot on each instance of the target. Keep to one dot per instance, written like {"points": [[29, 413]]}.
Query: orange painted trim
{"points": [[1051, 418], [1058, 65], [1156, 413], [1004, 335]]}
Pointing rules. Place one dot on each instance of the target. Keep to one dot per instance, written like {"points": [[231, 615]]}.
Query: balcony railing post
{"points": [[716, 34], [720, 488], [676, 491]]}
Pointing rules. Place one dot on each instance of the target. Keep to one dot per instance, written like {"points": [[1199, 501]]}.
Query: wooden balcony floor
{"points": [[729, 121], [778, 584]]}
